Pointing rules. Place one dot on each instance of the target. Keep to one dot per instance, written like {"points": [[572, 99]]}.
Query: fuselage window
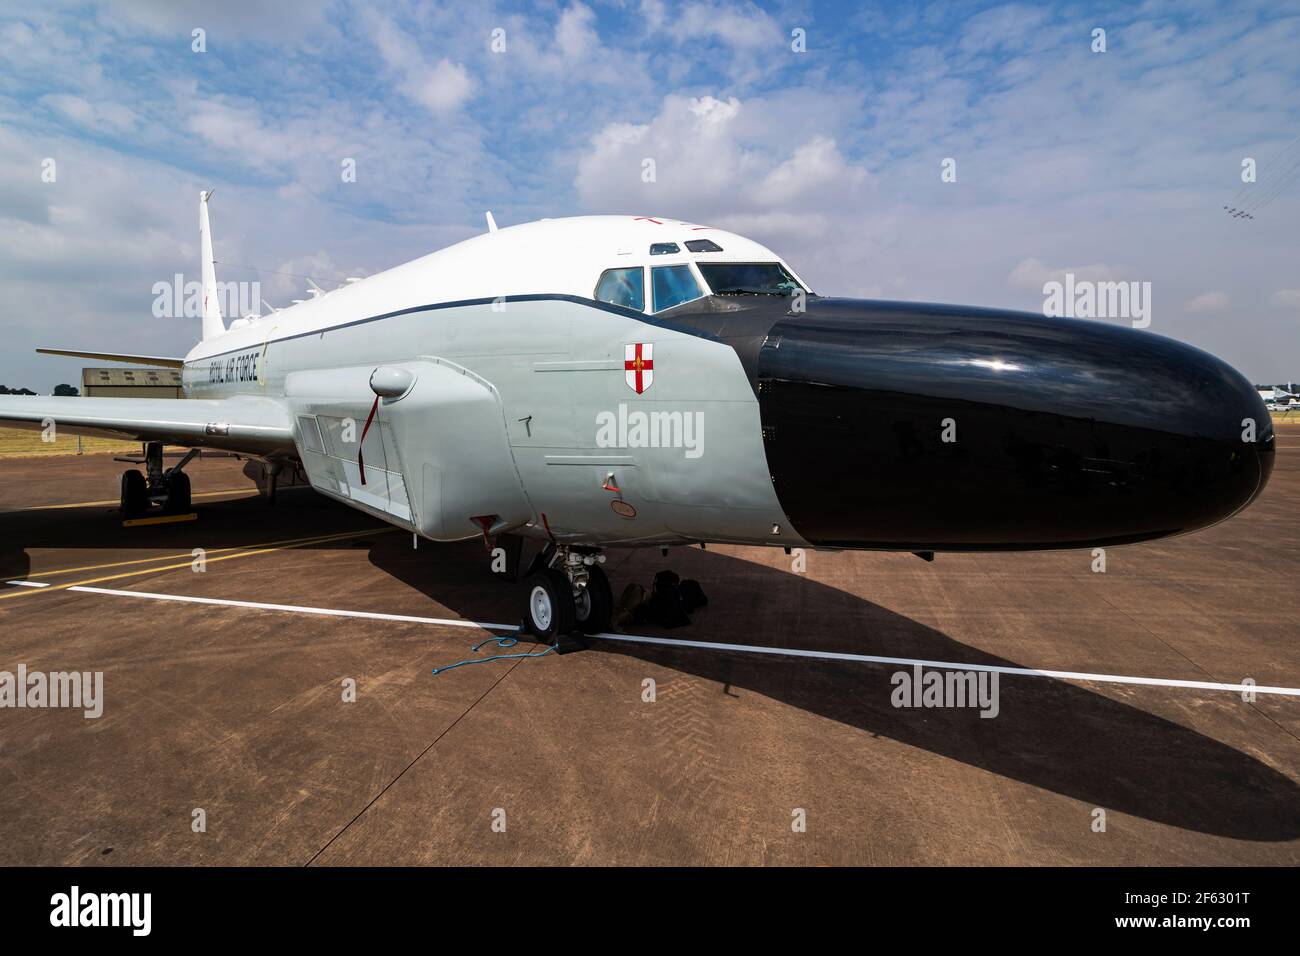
{"points": [[663, 248], [625, 287], [703, 245], [673, 285]]}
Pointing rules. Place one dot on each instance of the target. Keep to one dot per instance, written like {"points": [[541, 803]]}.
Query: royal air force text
{"points": [[237, 368]]}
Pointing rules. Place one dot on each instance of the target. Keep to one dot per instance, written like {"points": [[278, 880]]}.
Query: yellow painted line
{"points": [[115, 501], [160, 519], [173, 557], [185, 564]]}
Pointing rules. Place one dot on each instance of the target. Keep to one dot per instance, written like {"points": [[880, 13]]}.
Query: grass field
{"points": [[20, 443]]}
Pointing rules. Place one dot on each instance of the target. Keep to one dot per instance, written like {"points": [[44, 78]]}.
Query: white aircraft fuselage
{"points": [[633, 380], [521, 407]]}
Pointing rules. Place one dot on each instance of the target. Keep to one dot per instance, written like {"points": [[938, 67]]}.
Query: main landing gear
{"points": [[170, 489], [566, 591]]}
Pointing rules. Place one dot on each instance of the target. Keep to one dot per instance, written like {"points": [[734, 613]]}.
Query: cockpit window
{"points": [[673, 285], [625, 287], [703, 245], [663, 248], [748, 278]]}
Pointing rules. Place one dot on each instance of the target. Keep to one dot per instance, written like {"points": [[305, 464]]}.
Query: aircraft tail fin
{"points": [[213, 325]]}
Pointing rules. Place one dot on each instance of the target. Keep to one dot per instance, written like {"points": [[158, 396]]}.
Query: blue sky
{"points": [[1111, 165]]}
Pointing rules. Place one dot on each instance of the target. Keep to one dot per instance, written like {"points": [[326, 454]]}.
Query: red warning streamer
{"points": [[361, 464]]}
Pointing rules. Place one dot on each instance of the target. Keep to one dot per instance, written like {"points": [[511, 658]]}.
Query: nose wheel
{"points": [[570, 593], [550, 611], [595, 603]]}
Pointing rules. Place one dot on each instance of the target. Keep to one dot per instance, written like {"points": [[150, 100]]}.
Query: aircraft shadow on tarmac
{"points": [[236, 523], [1050, 734]]}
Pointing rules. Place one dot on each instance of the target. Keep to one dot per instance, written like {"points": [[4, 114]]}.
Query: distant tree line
{"points": [[58, 390]]}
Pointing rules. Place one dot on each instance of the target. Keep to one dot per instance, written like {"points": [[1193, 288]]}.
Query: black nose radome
{"points": [[917, 427]]}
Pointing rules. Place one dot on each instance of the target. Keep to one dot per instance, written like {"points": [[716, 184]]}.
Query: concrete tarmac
{"points": [[238, 716]]}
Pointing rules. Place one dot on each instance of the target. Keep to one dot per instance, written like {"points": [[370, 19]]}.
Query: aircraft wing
{"points": [[244, 423], [155, 360]]}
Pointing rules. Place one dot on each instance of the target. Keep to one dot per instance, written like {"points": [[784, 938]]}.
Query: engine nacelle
{"points": [[422, 444]]}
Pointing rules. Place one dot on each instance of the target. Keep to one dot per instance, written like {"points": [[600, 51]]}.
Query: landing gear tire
{"points": [[178, 493], [135, 494], [549, 611], [594, 604]]}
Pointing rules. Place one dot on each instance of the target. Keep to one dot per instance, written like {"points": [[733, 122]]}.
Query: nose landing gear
{"points": [[550, 610], [567, 592]]}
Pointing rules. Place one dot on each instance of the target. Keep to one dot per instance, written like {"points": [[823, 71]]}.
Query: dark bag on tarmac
{"points": [[664, 608], [628, 609], [693, 597]]}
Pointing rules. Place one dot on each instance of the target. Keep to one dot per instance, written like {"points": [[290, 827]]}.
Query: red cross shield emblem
{"points": [[639, 365]]}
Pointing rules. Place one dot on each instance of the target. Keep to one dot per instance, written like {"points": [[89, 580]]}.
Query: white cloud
{"points": [[104, 116], [814, 165], [1117, 164], [291, 21], [743, 26], [1007, 26], [794, 229], [653, 13], [753, 167], [1208, 302], [707, 159], [740, 41], [1033, 274], [440, 88], [570, 54], [714, 115], [241, 130], [574, 35]]}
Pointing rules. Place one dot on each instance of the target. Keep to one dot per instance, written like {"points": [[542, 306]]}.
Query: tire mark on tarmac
{"points": [[684, 741]]}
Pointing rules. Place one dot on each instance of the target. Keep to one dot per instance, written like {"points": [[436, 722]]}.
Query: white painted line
{"points": [[702, 645], [297, 609], [949, 665], [28, 584]]}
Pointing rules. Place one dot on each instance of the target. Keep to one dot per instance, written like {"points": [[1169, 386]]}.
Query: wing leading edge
{"points": [[245, 423], [154, 360]]}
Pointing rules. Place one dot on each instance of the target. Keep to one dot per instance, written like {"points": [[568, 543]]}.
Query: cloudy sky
{"points": [[1113, 165]]}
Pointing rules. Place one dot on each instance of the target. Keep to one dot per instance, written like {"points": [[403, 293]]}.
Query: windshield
{"points": [[748, 278], [673, 285]]}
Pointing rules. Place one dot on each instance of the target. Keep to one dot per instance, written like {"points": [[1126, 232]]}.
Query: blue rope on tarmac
{"points": [[500, 642]]}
